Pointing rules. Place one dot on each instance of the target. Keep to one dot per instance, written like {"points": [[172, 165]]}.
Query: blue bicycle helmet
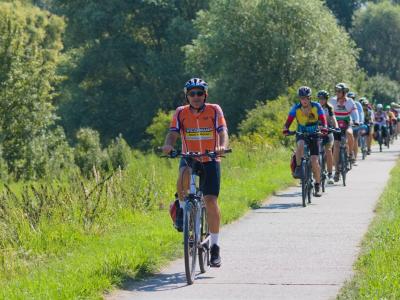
{"points": [[351, 95], [195, 83], [304, 91]]}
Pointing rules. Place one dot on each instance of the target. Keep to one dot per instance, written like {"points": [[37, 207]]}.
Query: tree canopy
{"points": [[255, 50]]}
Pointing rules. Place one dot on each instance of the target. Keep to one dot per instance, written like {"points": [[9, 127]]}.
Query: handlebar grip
{"points": [[228, 151]]}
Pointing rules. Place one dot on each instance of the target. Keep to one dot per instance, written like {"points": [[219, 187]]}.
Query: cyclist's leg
{"points": [[336, 149], [210, 185], [376, 129], [299, 150], [355, 147], [329, 155], [369, 137], [183, 183], [314, 152], [350, 141]]}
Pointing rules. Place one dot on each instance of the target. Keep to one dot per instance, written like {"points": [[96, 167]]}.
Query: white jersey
{"points": [[346, 113]]}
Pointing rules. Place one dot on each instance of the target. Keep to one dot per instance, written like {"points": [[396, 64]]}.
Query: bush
{"points": [[88, 153], [264, 123], [119, 153], [383, 90], [159, 128]]}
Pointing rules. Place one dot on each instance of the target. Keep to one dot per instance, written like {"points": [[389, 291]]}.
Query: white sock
{"points": [[214, 238]]}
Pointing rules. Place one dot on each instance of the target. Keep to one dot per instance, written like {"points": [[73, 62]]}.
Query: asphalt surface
{"points": [[282, 250]]}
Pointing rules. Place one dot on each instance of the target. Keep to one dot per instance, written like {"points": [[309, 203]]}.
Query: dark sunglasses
{"points": [[196, 93]]}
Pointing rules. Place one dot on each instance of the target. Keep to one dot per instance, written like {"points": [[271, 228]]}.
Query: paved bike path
{"points": [[282, 250]]}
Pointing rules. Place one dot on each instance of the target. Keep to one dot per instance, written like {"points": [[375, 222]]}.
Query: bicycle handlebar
{"points": [[210, 154]]}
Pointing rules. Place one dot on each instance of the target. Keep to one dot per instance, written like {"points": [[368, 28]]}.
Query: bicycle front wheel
{"points": [[190, 241], [343, 165], [204, 248], [304, 183]]}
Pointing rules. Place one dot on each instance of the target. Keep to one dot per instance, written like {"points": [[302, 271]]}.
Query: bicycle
{"points": [[379, 137], [196, 236], [344, 161], [362, 143], [307, 182], [322, 162]]}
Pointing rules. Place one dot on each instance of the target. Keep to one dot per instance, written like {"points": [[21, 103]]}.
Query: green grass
{"points": [[66, 251], [378, 266]]}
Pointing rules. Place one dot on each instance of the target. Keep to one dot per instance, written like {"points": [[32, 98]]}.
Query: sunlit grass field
{"points": [[78, 238]]}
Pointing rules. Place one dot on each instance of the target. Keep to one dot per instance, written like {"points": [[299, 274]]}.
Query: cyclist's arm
{"points": [[223, 139], [321, 116], [354, 113], [290, 118], [170, 141]]}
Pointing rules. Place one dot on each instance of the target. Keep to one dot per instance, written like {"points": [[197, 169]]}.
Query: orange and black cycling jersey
{"points": [[199, 131]]}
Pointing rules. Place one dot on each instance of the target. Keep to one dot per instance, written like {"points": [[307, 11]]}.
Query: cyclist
{"points": [[395, 109], [327, 141], [368, 121], [356, 130], [346, 114], [201, 127], [380, 119], [309, 115], [391, 119]]}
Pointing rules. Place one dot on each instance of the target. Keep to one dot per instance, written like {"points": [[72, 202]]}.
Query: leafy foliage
{"points": [[30, 45], [344, 10], [383, 90], [252, 50], [126, 60], [376, 31]]}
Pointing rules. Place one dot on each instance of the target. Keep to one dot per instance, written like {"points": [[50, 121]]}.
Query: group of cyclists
{"points": [[202, 127], [346, 115]]}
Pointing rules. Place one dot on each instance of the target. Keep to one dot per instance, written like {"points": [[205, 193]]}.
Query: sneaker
{"points": [[179, 219], [336, 177], [215, 261], [298, 172], [355, 163], [369, 152], [317, 191], [330, 179]]}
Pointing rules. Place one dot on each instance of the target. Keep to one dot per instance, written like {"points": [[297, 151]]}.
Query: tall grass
{"points": [[77, 237]]}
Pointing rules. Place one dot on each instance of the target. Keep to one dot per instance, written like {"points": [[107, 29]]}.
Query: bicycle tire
{"points": [[343, 165], [189, 241], [304, 183], [204, 251], [323, 173], [309, 191]]}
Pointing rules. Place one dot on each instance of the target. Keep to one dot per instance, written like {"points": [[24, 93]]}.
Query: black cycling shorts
{"points": [[327, 139], [313, 145], [209, 173], [338, 136]]}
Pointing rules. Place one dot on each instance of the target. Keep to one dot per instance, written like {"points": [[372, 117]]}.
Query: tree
{"points": [[126, 62], [30, 45], [376, 31], [252, 50], [344, 10], [383, 90]]}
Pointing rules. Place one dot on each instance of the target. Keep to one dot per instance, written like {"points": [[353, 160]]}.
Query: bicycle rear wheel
{"points": [[190, 241], [204, 250]]}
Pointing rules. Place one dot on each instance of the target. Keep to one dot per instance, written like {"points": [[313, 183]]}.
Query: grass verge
{"points": [[378, 266]]}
